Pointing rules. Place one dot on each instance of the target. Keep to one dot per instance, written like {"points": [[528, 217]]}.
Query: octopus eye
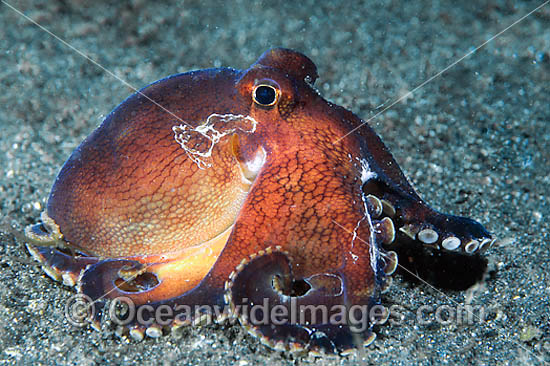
{"points": [[265, 95]]}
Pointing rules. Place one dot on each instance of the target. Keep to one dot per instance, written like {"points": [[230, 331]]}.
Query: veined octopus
{"points": [[239, 194]]}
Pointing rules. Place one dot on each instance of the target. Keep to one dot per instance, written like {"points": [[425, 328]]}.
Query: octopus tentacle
{"points": [[273, 305], [60, 266], [412, 216], [420, 222], [416, 220]]}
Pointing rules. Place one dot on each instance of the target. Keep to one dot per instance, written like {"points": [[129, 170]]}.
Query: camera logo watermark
{"points": [[79, 310]]}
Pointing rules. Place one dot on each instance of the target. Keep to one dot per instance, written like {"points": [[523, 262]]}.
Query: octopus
{"points": [[239, 195]]}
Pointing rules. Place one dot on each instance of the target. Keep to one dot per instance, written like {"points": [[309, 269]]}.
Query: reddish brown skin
{"points": [[307, 198]]}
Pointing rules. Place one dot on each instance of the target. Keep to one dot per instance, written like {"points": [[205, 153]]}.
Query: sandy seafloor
{"points": [[475, 141]]}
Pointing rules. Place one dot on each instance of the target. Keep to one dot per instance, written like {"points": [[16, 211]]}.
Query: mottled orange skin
{"points": [[130, 196], [130, 189], [130, 173]]}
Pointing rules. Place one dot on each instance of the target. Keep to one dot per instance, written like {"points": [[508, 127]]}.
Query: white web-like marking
{"points": [[198, 142], [366, 175]]}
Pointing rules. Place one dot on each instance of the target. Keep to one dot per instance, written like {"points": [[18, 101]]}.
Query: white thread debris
{"points": [[198, 142], [366, 173]]}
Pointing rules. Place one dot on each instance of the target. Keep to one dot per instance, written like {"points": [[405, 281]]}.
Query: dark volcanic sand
{"points": [[474, 141]]}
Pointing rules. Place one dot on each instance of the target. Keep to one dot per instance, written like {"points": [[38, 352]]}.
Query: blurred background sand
{"points": [[475, 142]]}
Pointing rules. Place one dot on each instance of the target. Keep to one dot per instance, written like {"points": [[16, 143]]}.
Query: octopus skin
{"points": [[219, 190]]}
